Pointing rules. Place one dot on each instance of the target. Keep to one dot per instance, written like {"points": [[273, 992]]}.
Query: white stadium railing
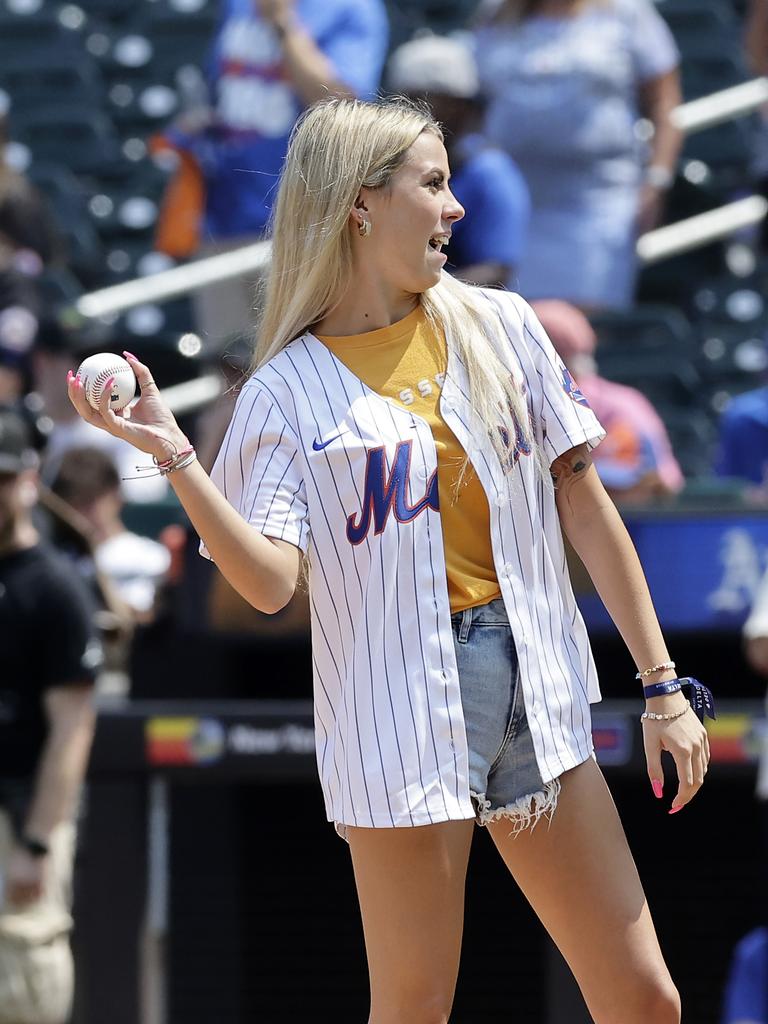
{"points": [[652, 247]]}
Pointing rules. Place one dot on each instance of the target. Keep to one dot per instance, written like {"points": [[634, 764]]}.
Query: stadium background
{"points": [[259, 919]]}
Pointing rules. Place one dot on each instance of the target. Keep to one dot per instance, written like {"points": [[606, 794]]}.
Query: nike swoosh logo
{"points": [[319, 445]]}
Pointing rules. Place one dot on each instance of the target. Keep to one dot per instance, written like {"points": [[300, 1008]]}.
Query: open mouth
{"points": [[437, 242]]}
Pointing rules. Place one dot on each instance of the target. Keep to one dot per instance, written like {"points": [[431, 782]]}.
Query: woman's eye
{"points": [[436, 183]]}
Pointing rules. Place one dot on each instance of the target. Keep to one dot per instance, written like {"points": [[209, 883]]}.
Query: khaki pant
{"points": [[36, 970]]}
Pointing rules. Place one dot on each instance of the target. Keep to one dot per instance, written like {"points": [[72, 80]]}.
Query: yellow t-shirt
{"points": [[407, 362]]}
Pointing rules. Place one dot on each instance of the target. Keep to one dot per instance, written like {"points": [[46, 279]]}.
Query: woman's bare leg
{"points": [[579, 876], [410, 883]]}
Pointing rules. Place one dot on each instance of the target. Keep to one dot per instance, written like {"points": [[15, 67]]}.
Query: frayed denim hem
{"points": [[525, 812]]}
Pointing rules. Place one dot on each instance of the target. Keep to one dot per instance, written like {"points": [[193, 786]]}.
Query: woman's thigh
{"points": [[579, 876], [410, 884]]}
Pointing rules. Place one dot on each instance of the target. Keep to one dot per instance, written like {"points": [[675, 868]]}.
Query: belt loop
{"points": [[466, 622]]}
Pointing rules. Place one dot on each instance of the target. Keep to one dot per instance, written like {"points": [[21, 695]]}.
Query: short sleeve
{"points": [[654, 50], [258, 470], [356, 45], [72, 653], [565, 419]]}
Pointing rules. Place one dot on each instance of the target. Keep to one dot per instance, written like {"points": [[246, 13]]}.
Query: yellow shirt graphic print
{"points": [[407, 362]]}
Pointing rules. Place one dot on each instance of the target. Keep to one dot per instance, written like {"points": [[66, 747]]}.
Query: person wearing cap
{"points": [[635, 461], [48, 659], [488, 245]]}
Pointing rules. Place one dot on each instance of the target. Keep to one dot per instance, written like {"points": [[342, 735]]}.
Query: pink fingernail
{"points": [[128, 355], [674, 810], [658, 788], [69, 375]]}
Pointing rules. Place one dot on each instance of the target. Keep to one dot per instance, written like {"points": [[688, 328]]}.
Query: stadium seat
{"points": [[732, 353], [646, 328], [710, 73], [669, 382], [696, 21], [37, 78], [730, 300], [72, 136], [69, 203], [42, 31], [693, 435]]}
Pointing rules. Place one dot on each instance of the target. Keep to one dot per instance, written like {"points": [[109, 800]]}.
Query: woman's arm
{"points": [[658, 98], [262, 570], [756, 36], [311, 73], [594, 528]]}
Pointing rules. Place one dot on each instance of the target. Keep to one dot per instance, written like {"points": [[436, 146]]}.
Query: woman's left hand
{"points": [[685, 738]]}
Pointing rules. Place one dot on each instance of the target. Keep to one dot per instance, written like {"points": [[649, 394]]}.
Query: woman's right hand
{"points": [[148, 424]]}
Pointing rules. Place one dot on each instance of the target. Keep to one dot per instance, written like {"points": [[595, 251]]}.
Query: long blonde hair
{"points": [[338, 147]]}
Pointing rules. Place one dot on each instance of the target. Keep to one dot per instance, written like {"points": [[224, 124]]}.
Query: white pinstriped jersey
{"points": [[314, 457]]}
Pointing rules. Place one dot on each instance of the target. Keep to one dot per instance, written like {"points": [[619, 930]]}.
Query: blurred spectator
{"points": [[756, 47], [18, 328], [567, 81], [743, 442], [746, 991], [88, 481], [28, 236], [57, 350], [48, 658], [271, 59], [488, 244], [635, 459]]}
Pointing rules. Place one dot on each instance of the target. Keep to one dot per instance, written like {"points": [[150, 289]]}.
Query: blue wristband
{"points": [[699, 695]]}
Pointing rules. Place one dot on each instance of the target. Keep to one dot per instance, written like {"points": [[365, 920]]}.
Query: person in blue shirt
{"points": [[746, 993], [270, 60], [743, 444], [488, 245]]}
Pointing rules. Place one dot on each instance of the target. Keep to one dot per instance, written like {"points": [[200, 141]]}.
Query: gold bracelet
{"points": [[664, 718], [663, 667]]}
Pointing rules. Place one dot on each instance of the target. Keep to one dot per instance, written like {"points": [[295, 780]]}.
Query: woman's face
{"points": [[411, 219]]}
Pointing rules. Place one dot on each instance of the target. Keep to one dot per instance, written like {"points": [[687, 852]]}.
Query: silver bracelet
{"points": [[664, 718], [185, 460]]}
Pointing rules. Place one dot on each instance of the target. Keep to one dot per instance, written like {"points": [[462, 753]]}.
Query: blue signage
{"points": [[703, 570]]}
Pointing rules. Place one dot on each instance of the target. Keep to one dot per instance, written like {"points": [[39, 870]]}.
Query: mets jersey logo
{"points": [[571, 388], [383, 494]]}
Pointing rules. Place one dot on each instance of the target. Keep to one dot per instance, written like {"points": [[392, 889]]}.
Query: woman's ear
{"points": [[359, 212]]}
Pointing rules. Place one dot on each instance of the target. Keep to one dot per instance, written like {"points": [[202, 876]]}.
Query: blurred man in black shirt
{"points": [[48, 659]]}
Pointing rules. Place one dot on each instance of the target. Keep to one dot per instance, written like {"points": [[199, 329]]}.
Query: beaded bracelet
{"points": [[663, 667], [666, 718]]}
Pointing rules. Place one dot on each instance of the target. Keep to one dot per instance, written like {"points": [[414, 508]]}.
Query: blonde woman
{"points": [[420, 444]]}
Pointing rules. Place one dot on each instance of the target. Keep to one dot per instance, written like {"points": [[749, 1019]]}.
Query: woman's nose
{"points": [[454, 210]]}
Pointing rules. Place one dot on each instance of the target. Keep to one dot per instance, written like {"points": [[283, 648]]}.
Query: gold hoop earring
{"points": [[364, 229]]}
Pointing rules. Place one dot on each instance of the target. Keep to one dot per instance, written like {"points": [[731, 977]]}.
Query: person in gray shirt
{"points": [[567, 81]]}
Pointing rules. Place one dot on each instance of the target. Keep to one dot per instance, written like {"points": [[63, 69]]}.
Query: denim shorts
{"points": [[504, 778]]}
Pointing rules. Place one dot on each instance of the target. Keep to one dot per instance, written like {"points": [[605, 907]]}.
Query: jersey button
{"points": [[508, 569], [501, 500]]}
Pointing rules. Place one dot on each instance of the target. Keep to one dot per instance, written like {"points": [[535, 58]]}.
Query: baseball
{"points": [[96, 370]]}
